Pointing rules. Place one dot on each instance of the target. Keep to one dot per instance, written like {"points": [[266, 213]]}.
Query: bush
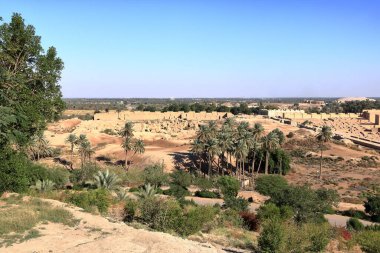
{"points": [[229, 186], [195, 219], [230, 217], [307, 204], [59, 176], [354, 213], [155, 175], [83, 175], [109, 131], [250, 221], [207, 194], [372, 206], [204, 184], [269, 211], [238, 204], [18, 173], [88, 200], [177, 191], [354, 224], [272, 237], [181, 178], [168, 216], [270, 185]]}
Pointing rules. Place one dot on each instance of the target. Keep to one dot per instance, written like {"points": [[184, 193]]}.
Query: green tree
{"points": [[270, 143], [72, 140], [29, 79], [323, 137]]}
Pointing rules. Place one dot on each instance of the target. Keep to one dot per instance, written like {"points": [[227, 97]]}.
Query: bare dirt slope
{"points": [[96, 234]]}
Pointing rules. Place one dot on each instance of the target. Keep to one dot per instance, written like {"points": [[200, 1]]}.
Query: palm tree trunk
{"points": [[209, 166], [266, 162], [320, 165], [258, 168], [126, 160]]}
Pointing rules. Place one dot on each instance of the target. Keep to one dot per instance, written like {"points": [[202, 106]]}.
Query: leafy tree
{"points": [[155, 175], [30, 95], [270, 185], [272, 237]]}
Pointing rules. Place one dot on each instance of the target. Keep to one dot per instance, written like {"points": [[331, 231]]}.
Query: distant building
{"points": [[350, 99]]}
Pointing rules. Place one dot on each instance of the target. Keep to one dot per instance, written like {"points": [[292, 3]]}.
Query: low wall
{"points": [[290, 115], [141, 115]]}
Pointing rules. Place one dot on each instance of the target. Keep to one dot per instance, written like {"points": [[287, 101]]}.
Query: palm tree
{"points": [[198, 148], [257, 132], [127, 130], [72, 140], [212, 149], [138, 147], [241, 152], [225, 143], [39, 146], [323, 137], [84, 147], [127, 145], [270, 143]]}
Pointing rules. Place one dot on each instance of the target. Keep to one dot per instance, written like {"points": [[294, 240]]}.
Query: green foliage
{"points": [[195, 218], [106, 180], [148, 191], [270, 185], [369, 241], [236, 203], [204, 184], [272, 237], [177, 191], [44, 185], [207, 194], [181, 178], [269, 211], [230, 217], [83, 175], [155, 175], [28, 83], [372, 206], [88, 200], [306, 203], [130, 210], [229, 186], [354, 224]]}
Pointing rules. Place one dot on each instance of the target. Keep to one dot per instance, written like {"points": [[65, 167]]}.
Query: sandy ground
{"points": [[96, 234]]}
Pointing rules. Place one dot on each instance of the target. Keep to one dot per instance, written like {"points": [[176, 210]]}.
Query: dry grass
{"points": [[19, 216]]}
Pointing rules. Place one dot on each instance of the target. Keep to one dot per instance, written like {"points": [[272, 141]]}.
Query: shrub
{"points": [[369, 241], [238, 204], [194, 219], [109, 131], [106, 180], [88, 200], [229, 186], [59, 176], [272, 237], [270, 185], [306, 203], [354, 224], [372, 206], [177, 191], [168, 216], [130, 209], [207, 194], [230, 217], [354, 213], [204, 184], [269, 211], [83, 175], [155, 175], [250, 221], [181, 178]]}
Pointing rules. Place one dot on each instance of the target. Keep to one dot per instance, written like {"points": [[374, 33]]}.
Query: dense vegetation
{"points": [[252, 151]]}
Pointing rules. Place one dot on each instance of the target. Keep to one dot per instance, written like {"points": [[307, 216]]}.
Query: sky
{"points": [[210, 48]]}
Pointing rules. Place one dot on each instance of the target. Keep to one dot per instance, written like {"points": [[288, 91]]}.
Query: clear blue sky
{"points": [[206, 48]]}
